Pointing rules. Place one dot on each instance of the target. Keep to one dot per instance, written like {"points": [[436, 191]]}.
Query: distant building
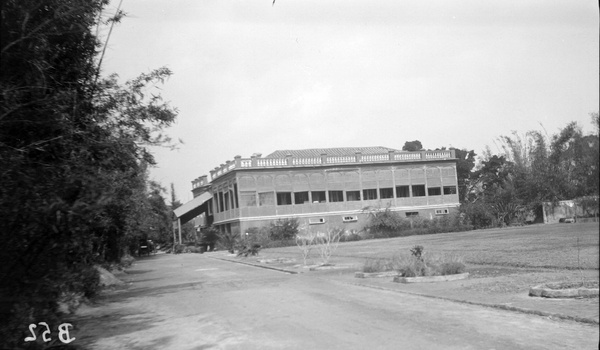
{"points": [[324, 187]]}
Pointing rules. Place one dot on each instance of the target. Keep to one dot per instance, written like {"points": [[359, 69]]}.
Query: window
{"points": [[441, 212], [449, 189], [418, 190], [301, 197], [352, 196], [284, 198], [247, 198], [226, 201], [318, 196], [352, 218], [370, 194], [402, 191], [336, 196], [266, 198], [434, 191], [386, 193], [410, 214], [220, 207]]}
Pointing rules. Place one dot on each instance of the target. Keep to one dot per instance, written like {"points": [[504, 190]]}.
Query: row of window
{"points": [[249, 198]]}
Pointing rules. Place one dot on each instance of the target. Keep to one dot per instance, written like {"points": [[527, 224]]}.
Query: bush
{"points": [[283, 229], [229, 241], [384, 223], [422, 264], [178, 248], [378, 265]]}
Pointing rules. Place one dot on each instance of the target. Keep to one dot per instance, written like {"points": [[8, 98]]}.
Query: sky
{"points": [[255, 77]]}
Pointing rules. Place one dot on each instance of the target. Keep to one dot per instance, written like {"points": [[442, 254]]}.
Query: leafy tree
{"points": [[464, 168], [73, 158], [412, 146]]}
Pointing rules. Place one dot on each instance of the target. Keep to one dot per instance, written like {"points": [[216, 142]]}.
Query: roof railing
{"points": [[257, 162]]}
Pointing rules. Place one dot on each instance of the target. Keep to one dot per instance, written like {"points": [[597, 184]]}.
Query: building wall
{"points": [[253, 198]]}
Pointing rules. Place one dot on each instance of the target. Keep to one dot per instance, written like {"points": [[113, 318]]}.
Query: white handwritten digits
{"points": [[31, 329], [63, 333], [46, 333]]}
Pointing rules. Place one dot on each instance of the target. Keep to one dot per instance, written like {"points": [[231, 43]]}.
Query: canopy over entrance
{"points": [[191, 209]]}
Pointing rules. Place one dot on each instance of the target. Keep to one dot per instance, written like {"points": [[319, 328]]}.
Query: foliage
{"points": [[283, 229], [412, 146], [253, 250], [306, 243], [73, 159], [210, 236], [378, 265], [421, 264], [531, 170], [229, 241], [384, 223]]}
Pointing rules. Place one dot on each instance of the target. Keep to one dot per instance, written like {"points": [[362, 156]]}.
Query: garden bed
{"points": [[565, 290]]}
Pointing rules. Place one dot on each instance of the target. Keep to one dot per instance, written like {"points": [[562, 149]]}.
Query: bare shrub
{"points": [[327, 243], [306, 243]]}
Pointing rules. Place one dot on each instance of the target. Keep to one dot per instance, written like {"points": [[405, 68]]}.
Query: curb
{"points": [[495, 306], [256, 265]]}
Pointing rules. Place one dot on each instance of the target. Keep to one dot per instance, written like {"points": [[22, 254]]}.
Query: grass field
{"points": [[561, 246]]}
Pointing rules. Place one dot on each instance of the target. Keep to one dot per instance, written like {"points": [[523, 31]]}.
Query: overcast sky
{"points": [[250, 77]]}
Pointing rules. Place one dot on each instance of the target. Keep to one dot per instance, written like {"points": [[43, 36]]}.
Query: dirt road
{"points": [[193, 301]]}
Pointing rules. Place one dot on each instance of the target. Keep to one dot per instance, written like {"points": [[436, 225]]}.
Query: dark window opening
{"points": [[318, 196], [370, 194], [418, 190], [284, 198], [449, 189], [410, 214], [402, 191], [386, 193], [301, 197], [336, 196], [434, 191], [352, 196]]}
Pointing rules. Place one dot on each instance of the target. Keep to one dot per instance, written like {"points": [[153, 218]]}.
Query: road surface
{"points": [[194, 301]]}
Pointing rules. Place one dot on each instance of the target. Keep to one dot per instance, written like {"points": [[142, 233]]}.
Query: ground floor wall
{"points": [[349, 221]]}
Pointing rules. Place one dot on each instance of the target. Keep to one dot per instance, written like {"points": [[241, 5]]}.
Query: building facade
{"points": [[328, 188]]}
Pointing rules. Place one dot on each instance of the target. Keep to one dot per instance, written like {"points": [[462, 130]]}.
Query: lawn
{"points": [[551, 246]]}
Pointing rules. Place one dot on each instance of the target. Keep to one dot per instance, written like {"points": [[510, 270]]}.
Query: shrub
{"points": [[384, 223], [229, 241], [283, 229], [178, 248], [422, 264], [249, 250], [210, 236], [378, 265]]}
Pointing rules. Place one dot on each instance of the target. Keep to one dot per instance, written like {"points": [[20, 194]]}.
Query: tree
{"points": [[412, 146], [464, 168], [73, 157]]}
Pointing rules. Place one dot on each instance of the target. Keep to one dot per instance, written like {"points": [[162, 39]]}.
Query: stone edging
{"points": [[552, 290], [425, 279], [359, 274]]}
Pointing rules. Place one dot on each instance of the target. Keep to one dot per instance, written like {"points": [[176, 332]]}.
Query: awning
{"points": [[193, 208]]}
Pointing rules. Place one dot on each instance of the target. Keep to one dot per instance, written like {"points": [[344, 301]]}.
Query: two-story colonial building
{"points": [[327, 187]]}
